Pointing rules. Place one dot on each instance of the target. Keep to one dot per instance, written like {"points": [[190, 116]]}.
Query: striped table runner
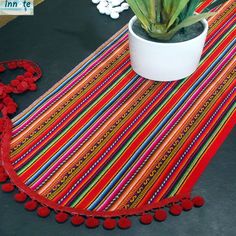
{"points": [[107, 142]]}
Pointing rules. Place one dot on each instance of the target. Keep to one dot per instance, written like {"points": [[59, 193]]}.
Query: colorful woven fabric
{"points": [[106, 140]]}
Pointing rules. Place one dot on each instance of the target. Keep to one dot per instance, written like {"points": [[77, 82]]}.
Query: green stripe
{"points": [[119, 153], [74, 122], [201, 152]]}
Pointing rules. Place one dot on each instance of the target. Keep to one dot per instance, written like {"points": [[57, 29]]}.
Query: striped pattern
{"points": [[105, 138]]}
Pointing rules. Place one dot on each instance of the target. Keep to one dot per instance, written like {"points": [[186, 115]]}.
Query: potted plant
{"points": [[166, 37]]}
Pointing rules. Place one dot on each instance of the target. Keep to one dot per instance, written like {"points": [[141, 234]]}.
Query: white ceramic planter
{"points": [[165, 61]]}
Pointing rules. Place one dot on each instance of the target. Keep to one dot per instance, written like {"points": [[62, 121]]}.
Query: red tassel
{"points": [[7, 188], [77, 220], [92, 222], [109, 224], [187, 205], [61, 217], [160, 215], [146, 219], [20, 197], [198, 201], [31, 205], [175, 210], [43, 212], [3, 177], [124, 223]]}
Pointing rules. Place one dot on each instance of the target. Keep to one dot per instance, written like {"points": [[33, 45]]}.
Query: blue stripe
{"points": [[53, 158], [155, 132], [67, 81]]}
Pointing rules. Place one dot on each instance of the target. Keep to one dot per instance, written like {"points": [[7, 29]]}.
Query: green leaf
{"points": [[191, 7], [158, 11], [177, 8], [140, 15], [152, 10], [190, 21]]}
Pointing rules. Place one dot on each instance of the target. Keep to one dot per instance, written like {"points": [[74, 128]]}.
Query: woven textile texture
{"points": [[104, 139]]}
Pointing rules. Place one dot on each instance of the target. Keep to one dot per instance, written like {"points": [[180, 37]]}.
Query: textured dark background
{"points": [[60, 35]]}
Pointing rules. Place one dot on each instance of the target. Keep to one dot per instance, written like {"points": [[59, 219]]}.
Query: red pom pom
{"points": [[77, 220], [28, 74], [160, 215], [2, 68], [8, 89], [20, 88], [3, 177], [29, 80], [109, 224], [187, 205], [11, 108], [7, 188], [92, 222], [8, 100], [20, 77], [3, 93], [61, 217], [30, 69], [146, 219], [43, 212], [198, 201], [19, 63], [20, 197], [12, 65], [31, 205], [32, 87], [175, 210], [124, 223], [25, 85], [15, 82]]}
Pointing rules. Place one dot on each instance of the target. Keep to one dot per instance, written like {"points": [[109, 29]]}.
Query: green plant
{"points": [[162, 19]]}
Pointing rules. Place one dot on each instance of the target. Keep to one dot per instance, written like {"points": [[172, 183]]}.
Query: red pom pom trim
{"points": [[146, 219], [43, 212], [22, 83], [92, 222], [20, 197], [3, 177], [160, 215], [187, 205], [7, 188], [77, 220], [124, 223], [109, 224], [198, 201], [33, 87], [2, 68], [31, 205], [61, 217], [175, 210]]}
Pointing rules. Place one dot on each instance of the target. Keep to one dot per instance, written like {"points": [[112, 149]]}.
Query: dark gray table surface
{"points": [[59, 36]]}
